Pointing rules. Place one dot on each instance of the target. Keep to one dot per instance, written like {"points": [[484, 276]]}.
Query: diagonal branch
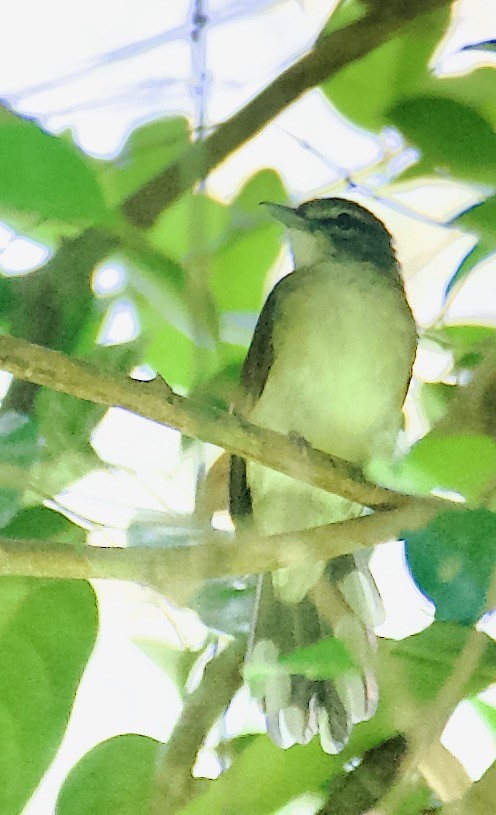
{"points": [[331, 53], [155, 400]]}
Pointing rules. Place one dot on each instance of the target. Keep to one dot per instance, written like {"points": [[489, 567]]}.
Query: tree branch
{"points": [[332, 52], [214, 554], [155, 400]]}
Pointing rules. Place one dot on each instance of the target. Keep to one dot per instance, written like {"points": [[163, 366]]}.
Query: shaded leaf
{"points": [[464, 463], [226, 605], [148, 150], [399, 67], [451, 135], [115, 778], [452, 560], [240, 266], [424, 662], [45, 175], [281, 775], [47, 631], [43, 523]]}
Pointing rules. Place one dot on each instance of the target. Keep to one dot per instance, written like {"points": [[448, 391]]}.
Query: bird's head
{"points": [[336, 228]]}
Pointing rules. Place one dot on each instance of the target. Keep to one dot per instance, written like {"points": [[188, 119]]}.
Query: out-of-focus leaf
{"points": [[452, 135], [176, 663], [487, 714], [18, 439], [19, 446], [327, 659], [45, 175], [44, 524], [460, 463], [282, 775], [115, 778], [47, 631], [348, 11], [485, 45], [193, 226], [399, 68], [424, 662], [480, 219], [226, 605], [169, 352], [452, 560], [148, 150], [434, 400], [240, 266]]}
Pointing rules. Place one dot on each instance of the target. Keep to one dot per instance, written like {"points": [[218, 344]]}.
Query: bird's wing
{"points": [[254, 375]]}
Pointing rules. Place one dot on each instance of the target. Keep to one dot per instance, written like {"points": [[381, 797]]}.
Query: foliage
{"points": [[195, 281]]}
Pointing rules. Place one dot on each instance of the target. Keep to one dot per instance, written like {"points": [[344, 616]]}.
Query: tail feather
{"points": [[343, 603]]}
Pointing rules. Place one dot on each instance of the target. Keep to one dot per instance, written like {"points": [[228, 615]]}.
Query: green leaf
{"points": [[460, 463], [240, 266], [424, 662], [347, 12], [42, 523], [399, 67], [452, 561], [281, 775], [19, 449], [452, 136], [487, 714], [226, 605], [194, 225], [481, 220], [326, 659], [148, 150], [115, 778], [47, 631], [45, 175]]}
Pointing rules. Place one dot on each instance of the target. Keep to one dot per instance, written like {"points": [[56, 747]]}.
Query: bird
{"points": [[329, 364]]}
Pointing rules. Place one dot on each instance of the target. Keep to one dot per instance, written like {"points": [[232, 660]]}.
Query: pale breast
{"points": [[342, 362]]}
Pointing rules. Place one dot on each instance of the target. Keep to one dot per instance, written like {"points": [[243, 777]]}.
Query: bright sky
{"points": [[101, 69]]}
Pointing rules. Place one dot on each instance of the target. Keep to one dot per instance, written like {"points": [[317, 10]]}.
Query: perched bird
{"points": [[329, 363]]}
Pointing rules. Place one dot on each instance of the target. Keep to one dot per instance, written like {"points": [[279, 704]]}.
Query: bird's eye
{"points": [[344, 221]]}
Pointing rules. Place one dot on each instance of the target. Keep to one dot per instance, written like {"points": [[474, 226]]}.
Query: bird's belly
{"points": [[338, 380]]}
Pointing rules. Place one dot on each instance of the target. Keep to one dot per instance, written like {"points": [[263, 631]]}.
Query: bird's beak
{"points": [[286, 215]]}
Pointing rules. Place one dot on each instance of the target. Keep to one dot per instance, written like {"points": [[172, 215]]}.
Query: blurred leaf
{"points": [[176, 663], [462, 463], [487, 45], [47, 631], [169, 352], [434, 400], [19, 446], [18, 439], [240, 265], [481, 220], [45, 175], [115, 778], [424, 662], [326, 659], [451, 135], [148, 150], [44, 524], [487, 714], [399, 68], [281, 775], [452, 561], [347, 12], [226, 605], [194, 224]]}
